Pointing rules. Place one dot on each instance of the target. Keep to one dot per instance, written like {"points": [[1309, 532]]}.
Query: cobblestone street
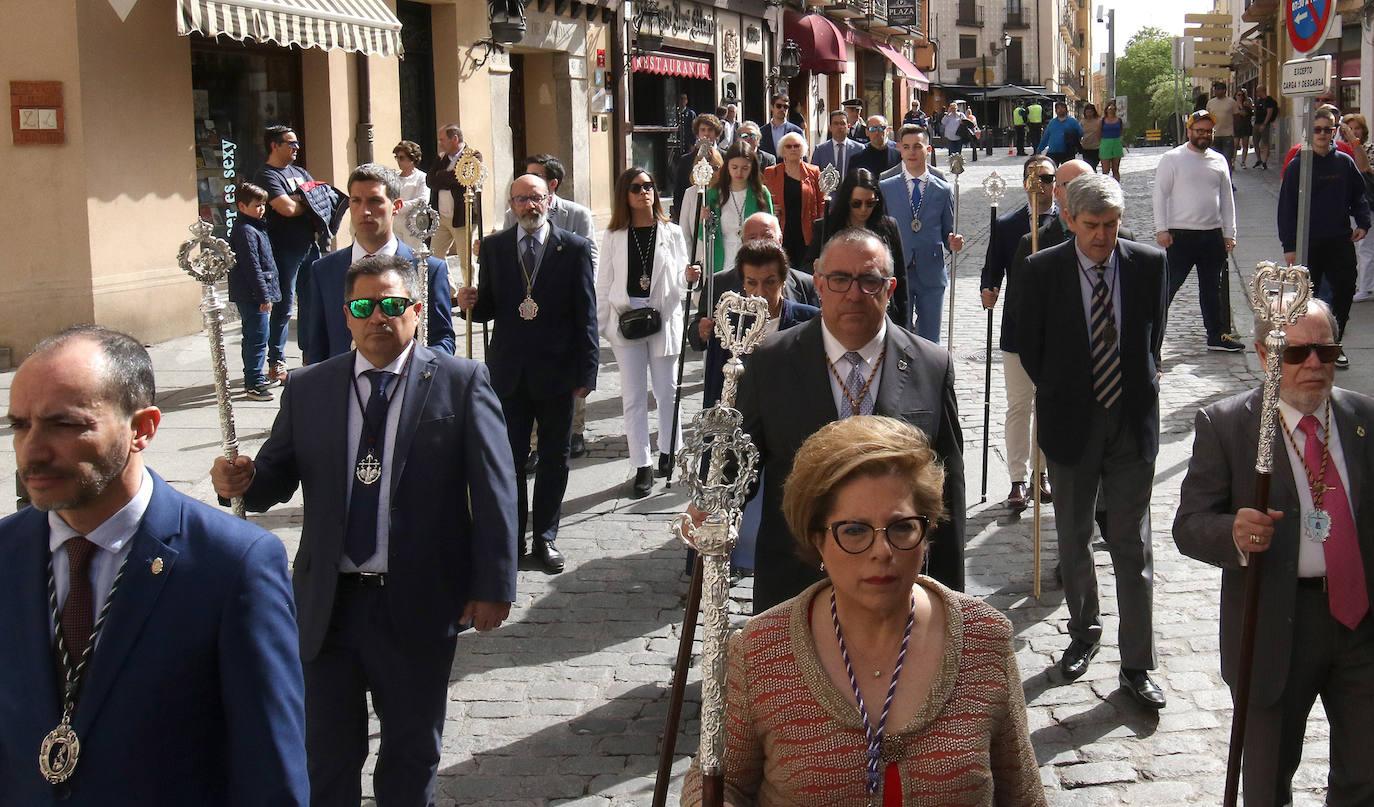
{"points": [[564, 704]]}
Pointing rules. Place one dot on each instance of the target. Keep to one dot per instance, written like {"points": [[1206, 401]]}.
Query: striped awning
{"points": [[364, 26]]}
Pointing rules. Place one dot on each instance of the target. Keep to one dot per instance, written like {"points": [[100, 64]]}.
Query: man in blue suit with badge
{"points": [[149, 641], [536, 282], [839, 149], [923, 206], [408, 538], [374, 199]]}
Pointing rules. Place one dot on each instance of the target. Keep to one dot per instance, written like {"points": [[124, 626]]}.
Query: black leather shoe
{"points": [[547, 557], [1143, 688], [1016, 500], [1045, 496], [577, 446], [1075, 660], [531, 462], [665, 463], [643, 484]]}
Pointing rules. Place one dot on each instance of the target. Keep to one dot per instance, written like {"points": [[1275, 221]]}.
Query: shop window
{"points": [[238, 91]]}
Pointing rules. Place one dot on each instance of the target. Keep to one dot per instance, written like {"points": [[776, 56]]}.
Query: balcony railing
{"points": [[1017, 20], [970, 14], [1071, 81]]}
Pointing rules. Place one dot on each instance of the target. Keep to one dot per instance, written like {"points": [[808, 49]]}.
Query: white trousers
{"points": [[637, 372], [1364, 256], [1020, 405]]}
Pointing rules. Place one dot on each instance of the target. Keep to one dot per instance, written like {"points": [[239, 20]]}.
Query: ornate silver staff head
{"points": [[741, 333], [994, 186], [422, 221], [214, 260], [1279, 295], [702, 173], [717, 438], [830, 179], [956, 164]]}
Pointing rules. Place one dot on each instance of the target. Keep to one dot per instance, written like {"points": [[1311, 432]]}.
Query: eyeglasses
{"points": [[877, 128], [862, 203], [1323, 129], [641, 187], [1297, 354], [391, 306], [856, 537], [534, 199], [839, 282], [780, 106], [1046, 179], [748, 136]]}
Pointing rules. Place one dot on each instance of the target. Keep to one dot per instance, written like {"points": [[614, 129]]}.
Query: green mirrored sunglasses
{"points": [[391, 306]]}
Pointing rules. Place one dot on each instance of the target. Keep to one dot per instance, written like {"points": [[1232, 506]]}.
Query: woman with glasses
{"points": [[858, 203], [736, 193], [876, 685], [1109, 147], [413, 186], [643, 264], [795, 187]]}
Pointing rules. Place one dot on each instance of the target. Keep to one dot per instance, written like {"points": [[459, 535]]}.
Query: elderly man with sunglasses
{"points": [[850, 360], [1313, 636]]}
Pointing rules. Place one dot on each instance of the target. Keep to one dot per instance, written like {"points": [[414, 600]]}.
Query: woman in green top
{"points": [[1110, 149], [736, 193]]}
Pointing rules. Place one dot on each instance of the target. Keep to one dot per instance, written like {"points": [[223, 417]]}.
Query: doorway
{"points": [[417, 79]]}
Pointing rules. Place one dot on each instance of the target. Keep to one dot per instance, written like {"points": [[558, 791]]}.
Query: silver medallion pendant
{"points": [[58, 755], [644, 282], [368, 470], [1317, 525], [915, 225], [528, 309]]}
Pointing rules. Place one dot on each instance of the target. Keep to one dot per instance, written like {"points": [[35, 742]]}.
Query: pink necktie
{"points": [[1347, 591]]}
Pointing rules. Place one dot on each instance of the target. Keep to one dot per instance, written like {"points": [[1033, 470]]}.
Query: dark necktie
{"points": [[531, 258], [78, 611], [1106, 357], [1349, 593], [360, 537]]}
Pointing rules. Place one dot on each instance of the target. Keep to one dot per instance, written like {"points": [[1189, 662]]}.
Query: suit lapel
{"points": [[892, 382], [418, 382], [551, 250], [331, 411], [30, 625], [132, 603], [1352, 444], [815, 377], [1071, 290]]}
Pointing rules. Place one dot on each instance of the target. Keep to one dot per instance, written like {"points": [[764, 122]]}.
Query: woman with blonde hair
{"points": [[642, 265], [795, 186], [736, 193], [876, 685]]}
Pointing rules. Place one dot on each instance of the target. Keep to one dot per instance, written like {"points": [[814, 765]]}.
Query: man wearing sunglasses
{"points": [[880, 153], [778, 125], [749, 133], [408, 538], [1337, 197], [1313, 636], [374, 200], [850, 360], [292, 236]]}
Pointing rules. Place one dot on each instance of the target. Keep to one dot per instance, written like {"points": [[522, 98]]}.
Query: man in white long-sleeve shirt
{"points": [[1195, 222]]}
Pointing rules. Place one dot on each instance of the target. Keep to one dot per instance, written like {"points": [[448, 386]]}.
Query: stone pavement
{"points": [[564, 704]]}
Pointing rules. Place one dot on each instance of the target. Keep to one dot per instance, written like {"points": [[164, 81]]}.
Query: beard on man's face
{"points": [[89, 484]]}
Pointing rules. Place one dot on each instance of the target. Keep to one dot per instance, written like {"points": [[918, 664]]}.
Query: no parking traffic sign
{"points": [[1308, 23]]}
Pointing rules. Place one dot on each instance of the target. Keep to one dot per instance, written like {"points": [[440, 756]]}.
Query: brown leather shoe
{"points": [[1016, 500], [1045, 497]]}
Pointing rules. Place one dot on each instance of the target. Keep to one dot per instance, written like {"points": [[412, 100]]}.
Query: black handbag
{"points": [[638, 323]]}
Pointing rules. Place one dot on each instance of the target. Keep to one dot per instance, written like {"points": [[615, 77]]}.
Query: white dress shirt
{"points": [[834, 354], [358, 253], [396, 393], [542, 236], [924, 179], [1311, 556], [446, 197], [113, 538], [1087, 281], [1193, 192]]}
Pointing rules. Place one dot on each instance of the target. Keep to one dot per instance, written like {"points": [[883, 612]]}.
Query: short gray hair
{"points": [[749, 125], [1095, 194], [791, 137], [1315, 307], [856, 237], [377, 265], [373, 172]]}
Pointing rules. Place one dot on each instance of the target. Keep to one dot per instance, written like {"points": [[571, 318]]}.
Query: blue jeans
{"points": [[254, 346], [956, 146], [293, 271]]}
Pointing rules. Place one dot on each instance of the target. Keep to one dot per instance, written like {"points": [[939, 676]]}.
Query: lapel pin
{"points": [[559, 248], [156, 567], [425, 375], [1359, 431], [901, 365]]}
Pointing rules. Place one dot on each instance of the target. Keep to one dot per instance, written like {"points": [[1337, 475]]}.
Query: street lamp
{"points": [[650, 23], [507, 21], [788, 66]]}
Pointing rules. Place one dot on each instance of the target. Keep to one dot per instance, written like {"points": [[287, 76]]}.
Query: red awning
{"points": [[821, 42], [905, 67], [661, 65]]}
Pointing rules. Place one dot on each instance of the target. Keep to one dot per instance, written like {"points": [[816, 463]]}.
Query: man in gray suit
{"points": [[570, 216], [409, 533], [1313, 635]]}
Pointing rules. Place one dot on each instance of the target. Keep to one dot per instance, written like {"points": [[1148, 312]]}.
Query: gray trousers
{"points": [[1112, 460], [1336, 663]]}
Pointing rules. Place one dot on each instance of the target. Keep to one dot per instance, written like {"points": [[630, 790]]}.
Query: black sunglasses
{"points": [[391, 306], [1323, 129], [640, 187], [855, 537], [858, 203], [780, 106], [1046, 179], [1297, 354]]}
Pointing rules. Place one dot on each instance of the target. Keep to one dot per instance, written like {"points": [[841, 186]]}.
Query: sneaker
{"points": [[1362, 297], [1342, 363], [276, 372], [258, 393], [1226, 344]]}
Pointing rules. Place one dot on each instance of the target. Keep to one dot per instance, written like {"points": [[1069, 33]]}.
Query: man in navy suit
{"points": [[190, 691], [923, 206], [536, 282], [839, 149], [409, 534], [778, 126], [374, 199]]}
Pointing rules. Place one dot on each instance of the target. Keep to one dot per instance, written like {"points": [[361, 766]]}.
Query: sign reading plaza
{"points": [[1304, 77]]}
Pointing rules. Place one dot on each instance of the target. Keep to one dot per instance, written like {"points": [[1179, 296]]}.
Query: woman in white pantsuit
{"points": [[643, 265]]}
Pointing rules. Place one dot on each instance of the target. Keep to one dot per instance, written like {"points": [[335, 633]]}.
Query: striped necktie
{"points": [[1106, 356]]}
